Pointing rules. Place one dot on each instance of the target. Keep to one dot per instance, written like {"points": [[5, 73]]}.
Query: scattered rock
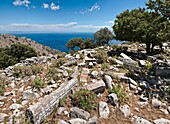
{"points": [[2, 116], [113, 99], [161, 121], [15, 106], [93, 120], [94, 74], [79, 113], [97, 86], [29, 95], [103, 110], [62, 122], [168, 109], [125, 110], [108, 81], [77, 121], [142, 63], [139, 120], [61, 110], [156, 103]]}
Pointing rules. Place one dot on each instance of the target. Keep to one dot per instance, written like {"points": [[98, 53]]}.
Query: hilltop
{"points": [[107, 84], [6, 40]]}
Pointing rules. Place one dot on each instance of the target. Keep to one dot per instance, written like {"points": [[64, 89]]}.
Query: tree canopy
{"points": [[141, 25], [13, 54], [103, 36]]}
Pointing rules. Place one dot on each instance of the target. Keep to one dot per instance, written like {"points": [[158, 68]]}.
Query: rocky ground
{"points": [[115, 84], [7, 40]]}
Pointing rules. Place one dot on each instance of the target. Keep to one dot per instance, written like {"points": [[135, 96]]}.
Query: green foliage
{"points": [[118, 89], [87, 43], [23, 71], [2, 85], [103, 36], [62, 102], [140, 25], [38, 83], [73, 43], [84, 99], [13, 54], [52, 74], [101, 56], [58, 62], [159, 6], [130, 74], [105, 66]]}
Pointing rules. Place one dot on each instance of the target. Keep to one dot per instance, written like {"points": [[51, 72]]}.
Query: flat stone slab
{"points": [[75, 112], [97, 86]]}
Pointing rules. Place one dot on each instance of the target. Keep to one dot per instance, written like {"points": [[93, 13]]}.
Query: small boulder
{"points": [[15, 106], [77, 121], [125, 110], [94, 74], [97, 86], [161, 121], [108, 81], [113, 99], [62, 122], [93, 120], [61, 110], [139, 120], [79, 113], [103, 110], [156, 103]]}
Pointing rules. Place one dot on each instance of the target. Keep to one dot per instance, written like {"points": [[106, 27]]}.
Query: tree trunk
{"points": [[152, 49], [148, 44]]}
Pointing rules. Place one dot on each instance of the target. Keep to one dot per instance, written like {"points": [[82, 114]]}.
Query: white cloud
{"points": [[95, 7], [22, 3], [45, 6], [64, 27], [111, 22], [51, 6], [54, 7]]}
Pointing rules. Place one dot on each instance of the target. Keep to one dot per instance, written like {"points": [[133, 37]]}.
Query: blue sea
{"points": [[58, 40]]}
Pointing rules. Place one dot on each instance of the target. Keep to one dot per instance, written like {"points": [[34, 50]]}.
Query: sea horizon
{"points": [[57, 40]]}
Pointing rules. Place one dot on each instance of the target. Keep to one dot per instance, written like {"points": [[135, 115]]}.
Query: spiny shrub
{"points": [[118, 89], [84, 99], [101, 56], [38, 83], [23, 71], [58, 62]]}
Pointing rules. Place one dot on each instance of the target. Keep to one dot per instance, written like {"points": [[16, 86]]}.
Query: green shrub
{"points": [[105, 66], [84, 99], [130, 74], [2, 85], [13, 54], [58, 62], [118, 89], [101, 56], [52, 74], [23, 71], [38, 83]]}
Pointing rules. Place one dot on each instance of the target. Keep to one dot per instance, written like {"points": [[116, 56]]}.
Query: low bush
{"points": [[38, 83], [101, 56], [23, 71], [13, 54], [84, 99], [122, 95]]}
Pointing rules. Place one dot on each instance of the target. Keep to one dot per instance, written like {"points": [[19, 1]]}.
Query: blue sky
{"points": [[61, 15]]}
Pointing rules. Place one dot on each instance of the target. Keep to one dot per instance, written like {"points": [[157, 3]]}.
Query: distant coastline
{"points": [[57, 40]]}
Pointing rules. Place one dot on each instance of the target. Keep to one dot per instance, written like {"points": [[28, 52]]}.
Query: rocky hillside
{"points": [[7, 40], [117, 84]]}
